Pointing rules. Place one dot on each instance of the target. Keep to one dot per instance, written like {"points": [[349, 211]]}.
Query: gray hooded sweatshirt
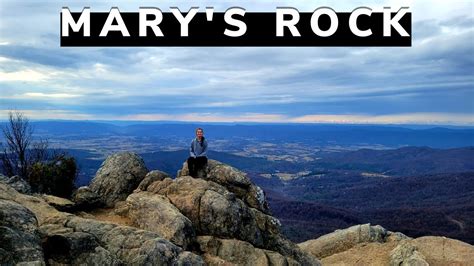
{"points": [[196, 150]]}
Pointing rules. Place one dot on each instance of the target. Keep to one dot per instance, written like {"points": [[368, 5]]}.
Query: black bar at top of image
{"points": [[261, 31]]}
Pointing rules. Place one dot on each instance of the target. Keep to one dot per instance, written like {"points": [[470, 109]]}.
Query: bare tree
{"points": [[19, 151]]}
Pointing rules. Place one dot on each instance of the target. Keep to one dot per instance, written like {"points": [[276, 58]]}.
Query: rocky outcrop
{"points": [[377, 246], [125, 244], [221, 219], [151, 177], [117, 177], [35, 204], [214, 210], [234, 180], [444, 251], [219, 251], [29, 224], [406, 254], [155, 213], [86, 199], [16, 182], [19, 238], [342, 240], [59, 203]]}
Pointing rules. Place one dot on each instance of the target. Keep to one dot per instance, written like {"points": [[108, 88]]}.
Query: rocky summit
{"points": [[131, 216]]}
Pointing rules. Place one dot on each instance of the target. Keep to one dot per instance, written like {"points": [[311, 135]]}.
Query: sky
{"points": [[428, 83]]}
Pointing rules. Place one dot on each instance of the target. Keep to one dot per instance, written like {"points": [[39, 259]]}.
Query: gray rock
{"points": [[211, 208], [155, 213], [151, 177], [214, 210], [118, 176], [406, 254], [234, 180], [125, 244], [341, 240], [59, 203], [42, 210], [239, 252], [16, 182], [76, 248], [189, 259], [439, 250], [84, 199], [19, 236]]}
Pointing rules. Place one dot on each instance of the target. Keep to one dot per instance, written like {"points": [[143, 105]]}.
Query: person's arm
{"points": [[191, 150], [204, 149]]}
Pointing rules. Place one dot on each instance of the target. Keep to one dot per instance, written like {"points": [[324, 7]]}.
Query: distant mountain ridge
{"points": [[392, 136]]}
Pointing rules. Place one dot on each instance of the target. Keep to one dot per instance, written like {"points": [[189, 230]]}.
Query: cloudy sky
{"points": [[428, 83]]}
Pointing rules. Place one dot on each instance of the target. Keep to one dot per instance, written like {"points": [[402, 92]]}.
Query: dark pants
{"points": [[196, 164]]}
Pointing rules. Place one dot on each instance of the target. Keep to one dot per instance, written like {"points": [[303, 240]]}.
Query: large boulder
{"points": [[36, 204], [113, 243], [213, 210], [59, 203], [132, 245], [86, 199], [405, 254], [341, 240], [444, 251], [377, 246], [152, 176], [69, 239], [155, 213], [19, 237], [219, 251], [76, 248], [234, 180], [118, 176]]}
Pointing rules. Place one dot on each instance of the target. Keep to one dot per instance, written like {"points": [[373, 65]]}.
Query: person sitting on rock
{"points": [[197, 153]]}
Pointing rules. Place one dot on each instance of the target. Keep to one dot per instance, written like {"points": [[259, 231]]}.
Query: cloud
{"points": [[49, 114], [405, 118], [433, 76], [410, 118]]}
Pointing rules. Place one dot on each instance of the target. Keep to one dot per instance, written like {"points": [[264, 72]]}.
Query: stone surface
{"points": [[444, 251], [59, 203], [213, 210], [406, 254], [155, 219], [155, 213], [70, 239], [37, 205], [151, 177], [341, 240], [19, 236], [393, 249], [16, 182], [234, 180], [86, 199], [76, 248], [218, 251], [128, 245], [118, 176]]}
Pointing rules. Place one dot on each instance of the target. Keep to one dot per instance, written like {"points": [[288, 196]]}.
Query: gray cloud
{"points": [[435, 75]]}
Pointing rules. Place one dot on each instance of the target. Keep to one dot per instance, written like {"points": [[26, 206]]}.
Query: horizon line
{"points": [[293, 123]]}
